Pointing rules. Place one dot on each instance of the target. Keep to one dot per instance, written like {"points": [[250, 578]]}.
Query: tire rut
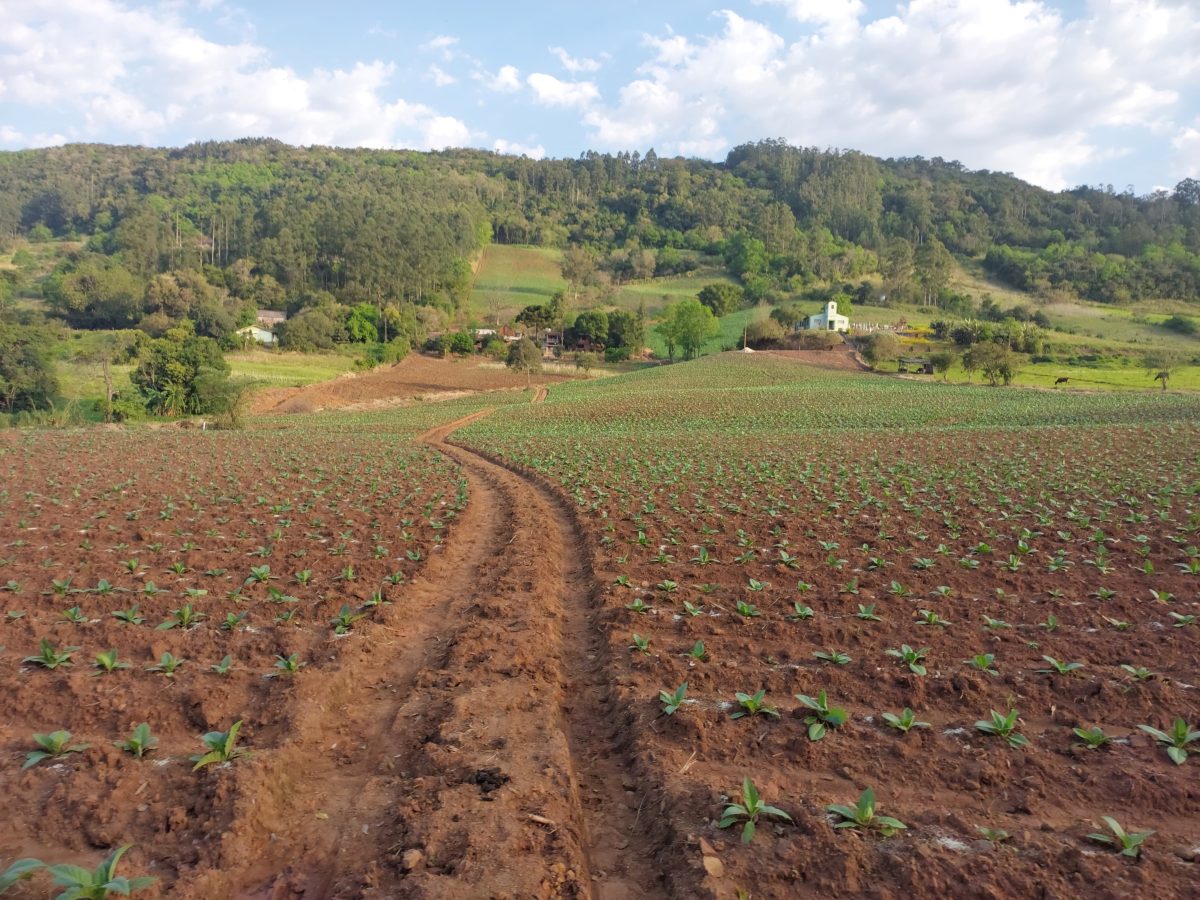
{"points": [[473, 746]]}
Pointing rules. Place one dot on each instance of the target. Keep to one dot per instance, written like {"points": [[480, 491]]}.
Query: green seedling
{"points": [[1093, 737], [1005, 727], [18, 870], [638, 606], [867, 613], [692, 609], [836, 657], [994, 624], [749, 811], [75, 615], [343, 622], [1128, 844], [698, 651], [54, 745], [747, 610], [1059, 668], [167, 664], [993, 835], [799, 612], [84, 884], [929, 617], [911, 658], [186, 617], [984, 662], [107, 663], [672, 702], [49, 658], [863, 815], [288, 665], [258, 575], [1176, 740], [1182, 621], [224, 667], [131, 616], [1137, 673], [906, 721], [754, 705], [641, 644], [222, 747], [824, 716], [140, 742]]}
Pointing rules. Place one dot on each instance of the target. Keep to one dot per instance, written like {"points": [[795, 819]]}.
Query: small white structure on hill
{"points": [[258, 334], [829, 320]]}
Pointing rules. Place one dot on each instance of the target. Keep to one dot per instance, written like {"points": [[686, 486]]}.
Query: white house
{"points": [[829, 320], [261, 335]]}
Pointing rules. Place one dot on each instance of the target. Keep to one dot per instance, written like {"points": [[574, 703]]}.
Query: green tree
{"points": [[27, 379], [592, 325], [879, 347], [996, 361], [524, 356], [722, 298], [933, 264], [181, 374], [688, 324]]}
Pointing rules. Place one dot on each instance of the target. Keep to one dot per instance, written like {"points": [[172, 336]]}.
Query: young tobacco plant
{"points": [[1093, 737], [54, 745], [140, 742], [863, 815], [824, 716], [1126, 843], [754, 705], [905, 721], [107, 663], [749, 811], [672, 702], [49, 658], [914, 659], [1003, 726], [1176, 740], [97, 884], [222, 747], [18, 870]]}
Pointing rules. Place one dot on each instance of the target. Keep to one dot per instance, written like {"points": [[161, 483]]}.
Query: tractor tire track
{"points": [[473, 746]]}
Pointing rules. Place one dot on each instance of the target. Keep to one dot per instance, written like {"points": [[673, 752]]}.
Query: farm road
{"points": [[482, 754]]}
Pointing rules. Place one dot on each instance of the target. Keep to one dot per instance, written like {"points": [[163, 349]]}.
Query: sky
{"points": [[1058, 92]]}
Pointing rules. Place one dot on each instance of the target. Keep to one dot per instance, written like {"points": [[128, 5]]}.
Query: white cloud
{"points": [[506, 81], [837, 18], [1186, 163], [575, 65], [444, 45], [143, 75], [512, 148], [1010, 85], [440, 77], [550, 91], [11, 137]]}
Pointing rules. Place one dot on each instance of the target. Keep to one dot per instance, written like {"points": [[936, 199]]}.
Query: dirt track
{"points": [[484, 758]]}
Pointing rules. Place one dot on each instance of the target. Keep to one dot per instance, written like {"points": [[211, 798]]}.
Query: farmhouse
{"points": [[258, 334], [829, 320]]}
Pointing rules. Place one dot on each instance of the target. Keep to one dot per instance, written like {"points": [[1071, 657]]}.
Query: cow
{"points": [[1059, 381]]}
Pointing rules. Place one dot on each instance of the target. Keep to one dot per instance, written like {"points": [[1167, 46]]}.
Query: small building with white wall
{"points": [[259, 335], [828, 320]]}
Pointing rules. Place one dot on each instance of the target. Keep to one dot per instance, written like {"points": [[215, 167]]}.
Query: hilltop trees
{"points": [[181, 373]]}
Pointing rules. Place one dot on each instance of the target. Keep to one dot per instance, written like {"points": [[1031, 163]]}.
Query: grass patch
{"points": [[283, 369]]}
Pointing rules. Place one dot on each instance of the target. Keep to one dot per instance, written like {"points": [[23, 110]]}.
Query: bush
{"points": [[877, 347], [524, 356], [764, 331], [1181, 325], [617, 354]]}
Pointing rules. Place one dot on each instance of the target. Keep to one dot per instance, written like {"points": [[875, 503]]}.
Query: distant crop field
{"points": [[843, 594]]}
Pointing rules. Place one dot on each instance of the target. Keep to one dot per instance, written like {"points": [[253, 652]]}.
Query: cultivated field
{"points": [[492, 648]]}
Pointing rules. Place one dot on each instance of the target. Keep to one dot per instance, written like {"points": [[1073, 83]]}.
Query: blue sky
{"points": [[1060, 93]]}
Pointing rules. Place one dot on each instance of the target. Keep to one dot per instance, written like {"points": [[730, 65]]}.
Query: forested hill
{"points": [[281, 226]]}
